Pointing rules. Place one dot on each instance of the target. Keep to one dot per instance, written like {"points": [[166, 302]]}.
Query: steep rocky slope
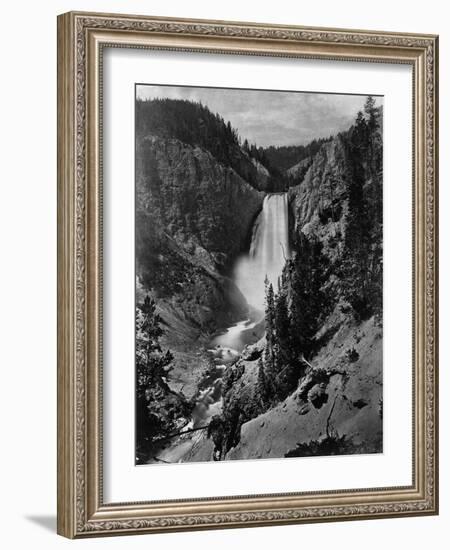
{"points": [[205, 206], [337, 407], [192, 123], [193, 218], [319, 202], [339, 399]]}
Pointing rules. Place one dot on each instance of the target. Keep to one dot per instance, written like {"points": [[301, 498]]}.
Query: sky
{"points": [[270, 117]]}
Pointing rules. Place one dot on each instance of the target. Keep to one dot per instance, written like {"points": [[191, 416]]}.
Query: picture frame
{"points": [[82, 40]]}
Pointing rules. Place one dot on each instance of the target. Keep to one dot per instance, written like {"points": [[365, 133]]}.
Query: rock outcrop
{"points": [[339, 400], [194, 217], [319, 202]]}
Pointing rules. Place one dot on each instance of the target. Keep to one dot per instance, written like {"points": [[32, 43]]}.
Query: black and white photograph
{"points": [[259, 274]]}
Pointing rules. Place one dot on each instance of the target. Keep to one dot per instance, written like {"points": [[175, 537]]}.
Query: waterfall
{"points": [[268, 251]]}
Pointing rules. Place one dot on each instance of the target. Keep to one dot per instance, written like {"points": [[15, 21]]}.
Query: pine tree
{"points": [[282, 324], [363, 255], [152, 364], [374, 159], [374, 288], [357, 231], [308, 272], [270, 313], [370, 111], [157, 406], [262, 386]]}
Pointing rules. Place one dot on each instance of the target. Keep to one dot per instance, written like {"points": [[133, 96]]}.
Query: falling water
{"points": [[267, 255], [268, 251]]}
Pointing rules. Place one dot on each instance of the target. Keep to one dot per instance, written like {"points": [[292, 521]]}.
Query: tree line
{"points": [[294, 313], [361, 268], [286, 156], [194, 124]]}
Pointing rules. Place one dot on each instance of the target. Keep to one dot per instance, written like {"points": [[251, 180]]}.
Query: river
{"points": [[266, 258]]}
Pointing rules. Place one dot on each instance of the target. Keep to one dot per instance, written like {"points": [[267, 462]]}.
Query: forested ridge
{"points": [[286, 156], [194, 124]]}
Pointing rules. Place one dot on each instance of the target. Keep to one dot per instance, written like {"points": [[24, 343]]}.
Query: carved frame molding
{"points": [[81, 37]]}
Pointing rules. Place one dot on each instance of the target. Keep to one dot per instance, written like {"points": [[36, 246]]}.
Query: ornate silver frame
{"points": [[81, 37]]}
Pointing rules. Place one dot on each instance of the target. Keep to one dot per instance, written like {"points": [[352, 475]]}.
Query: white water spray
{"points": [[269, 251]]}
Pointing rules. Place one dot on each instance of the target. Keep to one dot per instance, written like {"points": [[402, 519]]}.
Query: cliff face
{"points": [[194, 124], [193, 218], [318, 204]]}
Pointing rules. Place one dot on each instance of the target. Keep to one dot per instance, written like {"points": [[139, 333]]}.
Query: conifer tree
{"points": [[282, 329], [370, 111], [308, 305], [157, 406], [262, 386], [152, 364], [357, 231], [270, 352], [270, 313]]}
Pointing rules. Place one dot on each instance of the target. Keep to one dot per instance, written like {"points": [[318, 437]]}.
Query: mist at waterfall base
{"points": [[268, 253]]}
